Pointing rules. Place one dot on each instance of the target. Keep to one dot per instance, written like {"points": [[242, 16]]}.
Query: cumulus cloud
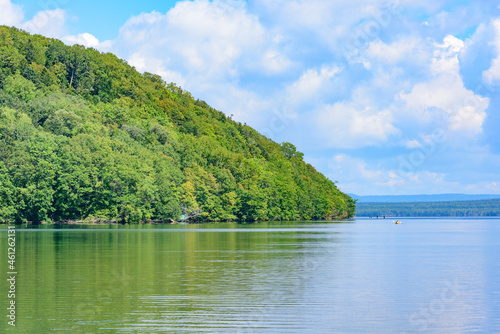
{"points": [[156, 66], [249, 107], [10, 14], [407, 49], [445, 96], [215, 40], [311, 84], [274, 61], [356, 173], [84, 39], [347, 125], [354, 168], [50, 23], [492, 75], [368, 177], [445, 59], [412, 143], [332, 24]]}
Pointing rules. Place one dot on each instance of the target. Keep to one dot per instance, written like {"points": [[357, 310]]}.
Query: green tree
{"points": [[62, 122], [7, 196], [16, 85]]}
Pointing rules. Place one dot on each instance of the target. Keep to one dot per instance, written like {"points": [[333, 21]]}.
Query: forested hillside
{"points": [[480, 208], [83, 135]]}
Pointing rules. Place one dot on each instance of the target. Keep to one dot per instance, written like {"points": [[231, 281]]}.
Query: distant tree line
{"points": [[83, 135], [476, 208]]}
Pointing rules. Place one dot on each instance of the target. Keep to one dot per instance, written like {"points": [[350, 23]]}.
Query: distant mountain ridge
{"points": [[471, 208], [421, 198]]}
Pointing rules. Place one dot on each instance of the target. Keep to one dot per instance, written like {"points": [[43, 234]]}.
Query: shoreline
{"points": [[102, 221]]}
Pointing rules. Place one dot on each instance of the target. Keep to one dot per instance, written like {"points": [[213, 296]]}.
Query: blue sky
{"points": [[385, 97]]}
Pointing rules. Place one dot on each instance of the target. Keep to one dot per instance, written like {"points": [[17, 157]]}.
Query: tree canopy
{"points": [[84, 135]]}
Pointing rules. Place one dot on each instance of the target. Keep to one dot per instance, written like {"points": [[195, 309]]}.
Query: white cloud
{"points": [[445, 59], [10, 14], [275, 62], [398, 176], [407, 49], [211, 35], [310, 84], [156, 66], [468, 119], [247, 107], [347, 125], [445, 96], [421, 181], [413, 143], [331, 23], [84, 39], [50, 23], [354, 172], [214, 40], [403, 175], [493, 73]]}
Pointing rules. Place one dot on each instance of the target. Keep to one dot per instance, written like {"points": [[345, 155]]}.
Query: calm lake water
{"points": [[359, 276]]}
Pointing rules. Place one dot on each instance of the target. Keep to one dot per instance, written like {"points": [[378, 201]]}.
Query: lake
{"points": [[355, 276]]}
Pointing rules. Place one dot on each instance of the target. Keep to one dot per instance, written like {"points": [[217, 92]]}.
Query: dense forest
{"points": [[477, 208], [84, 136]]}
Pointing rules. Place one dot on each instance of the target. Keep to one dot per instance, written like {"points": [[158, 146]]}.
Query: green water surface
{"points": [[354, 276]]}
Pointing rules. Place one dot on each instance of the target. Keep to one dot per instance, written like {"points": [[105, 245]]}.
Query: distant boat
{"points": [[398, 222]]}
